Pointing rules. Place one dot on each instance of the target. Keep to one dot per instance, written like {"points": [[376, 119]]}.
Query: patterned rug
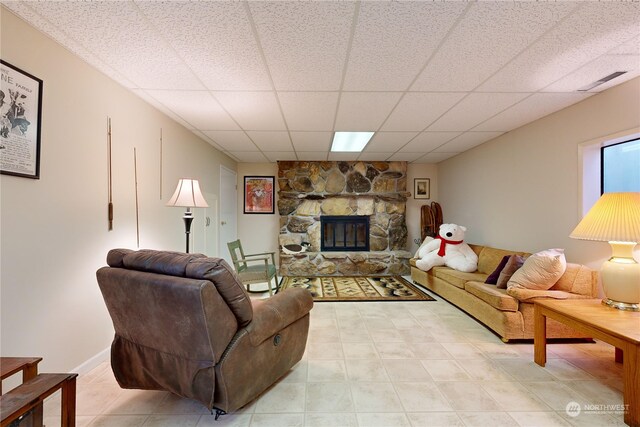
{"points": [[357, 288]]}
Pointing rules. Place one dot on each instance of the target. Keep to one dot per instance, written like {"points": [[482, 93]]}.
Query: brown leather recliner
{"points": [[184, 323]]}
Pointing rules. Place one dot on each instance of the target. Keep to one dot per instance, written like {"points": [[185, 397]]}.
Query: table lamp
{"points": [[615, 218], [188, 195]]}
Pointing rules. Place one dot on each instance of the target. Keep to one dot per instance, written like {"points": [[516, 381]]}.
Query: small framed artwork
{"points": [[421, 188], [258, 194], [20, 115]]}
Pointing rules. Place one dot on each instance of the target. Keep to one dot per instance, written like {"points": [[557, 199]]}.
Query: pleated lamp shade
{"points": [[614, 217], [188, 195]]}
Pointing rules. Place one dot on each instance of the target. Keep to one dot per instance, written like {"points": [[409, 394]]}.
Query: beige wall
{"points": [[522, 190], [260, 232], [54, 230]]}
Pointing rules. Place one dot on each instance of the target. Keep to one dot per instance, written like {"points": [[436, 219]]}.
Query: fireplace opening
{"points": [[344, 233]]}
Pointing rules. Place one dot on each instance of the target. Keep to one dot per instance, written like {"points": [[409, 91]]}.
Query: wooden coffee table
{"points": [[616, 327]]}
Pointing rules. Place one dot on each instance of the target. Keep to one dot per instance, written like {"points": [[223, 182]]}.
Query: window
{"points": [[620, 166]]}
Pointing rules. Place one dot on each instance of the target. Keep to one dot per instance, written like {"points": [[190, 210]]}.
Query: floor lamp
{"points": [[615, 218], [188, 195]]}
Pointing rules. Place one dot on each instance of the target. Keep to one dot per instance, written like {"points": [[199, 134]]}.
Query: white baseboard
{"points": [[93, 362]]}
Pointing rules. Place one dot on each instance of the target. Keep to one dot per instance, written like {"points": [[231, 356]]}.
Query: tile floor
{"points": [[390, 364]]}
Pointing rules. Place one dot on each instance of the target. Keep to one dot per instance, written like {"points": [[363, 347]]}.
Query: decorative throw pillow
{"points": [[493, 277], [540, 271], [512, 265]]}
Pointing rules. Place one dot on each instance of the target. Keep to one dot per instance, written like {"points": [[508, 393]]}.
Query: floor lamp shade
{"points": [[188, 195], [615, 218]]}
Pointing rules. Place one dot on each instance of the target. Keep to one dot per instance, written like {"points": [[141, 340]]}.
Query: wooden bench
{"points": [[35, 388]]}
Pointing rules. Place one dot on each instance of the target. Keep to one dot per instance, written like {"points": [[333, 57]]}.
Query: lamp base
{"points": [[621, 305]]}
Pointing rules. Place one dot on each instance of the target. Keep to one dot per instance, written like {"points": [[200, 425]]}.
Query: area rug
{"points": [[356, 288]]}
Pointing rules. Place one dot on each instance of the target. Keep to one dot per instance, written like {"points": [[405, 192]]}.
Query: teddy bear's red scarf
{"points": [[443, 244]]}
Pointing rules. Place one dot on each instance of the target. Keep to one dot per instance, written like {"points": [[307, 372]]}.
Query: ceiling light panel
{"points": [[271, 140], [364, 111], [428, 141], [384, 142], [231, 140], [417, 110], [596, 70], [224, 54], [312, 111], [536, 106], [467, 141], [488, 37], [590, 32], [196, 107], [311, 141], [350, 141], [474, 109], [305, 43], [253, 110], [404, 34], [118, 34]]}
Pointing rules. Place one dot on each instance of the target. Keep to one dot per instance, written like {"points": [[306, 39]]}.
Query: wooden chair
{"points": [[261, 272]]}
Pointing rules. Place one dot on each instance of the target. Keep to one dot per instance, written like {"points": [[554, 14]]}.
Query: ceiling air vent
{"points": [[601, 81]]}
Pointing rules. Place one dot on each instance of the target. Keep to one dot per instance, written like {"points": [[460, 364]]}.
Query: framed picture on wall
{"points": [[421, 188], [258, 194], [20, 115]]}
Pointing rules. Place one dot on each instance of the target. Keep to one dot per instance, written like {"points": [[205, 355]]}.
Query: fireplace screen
{"points": [[344, 233]]}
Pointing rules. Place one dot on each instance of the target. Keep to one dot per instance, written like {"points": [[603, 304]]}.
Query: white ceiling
{"points": [[266, 81]]}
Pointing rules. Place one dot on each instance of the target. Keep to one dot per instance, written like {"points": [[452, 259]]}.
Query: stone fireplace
{"points": [[313, 196]]}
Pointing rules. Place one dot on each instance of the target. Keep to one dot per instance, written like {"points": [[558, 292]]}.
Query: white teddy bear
{"points": [[448, 248]]}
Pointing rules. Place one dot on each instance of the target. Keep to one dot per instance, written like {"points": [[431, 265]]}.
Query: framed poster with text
{"points": [[20, 122], [259, 194]]}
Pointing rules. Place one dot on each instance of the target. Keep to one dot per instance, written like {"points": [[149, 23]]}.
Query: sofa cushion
{"points": [[524, 294], [496, 298], [578, 279], [514, 263], [457, 278], [489, 258], [540, 271]]}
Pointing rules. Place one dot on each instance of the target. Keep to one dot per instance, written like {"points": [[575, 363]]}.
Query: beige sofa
{"points": [[509, 313]]}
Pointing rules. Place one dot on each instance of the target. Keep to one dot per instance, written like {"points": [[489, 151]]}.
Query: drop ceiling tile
{"points": [[364, 111], [198, 108], [393, 40], [161, 107], [467, 141], [311, 141], [593, 30], [474, 109], [347, 157], [209, 140], [405, 157], [428, 141], [597, 69], [388, 142], [374, 157], [118, 34], [274, 156], [253, 110], [536, 106], [315, 156], [249, 156], [224, 54], [305, 43], [434, 157], [631, 47], [417, 110], [487, 38], [271, 140], [235, 141], [311, 111]]}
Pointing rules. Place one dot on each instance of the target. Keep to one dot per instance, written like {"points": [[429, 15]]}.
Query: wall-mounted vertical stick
{"points": [[109, 178], [135, 177]]}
